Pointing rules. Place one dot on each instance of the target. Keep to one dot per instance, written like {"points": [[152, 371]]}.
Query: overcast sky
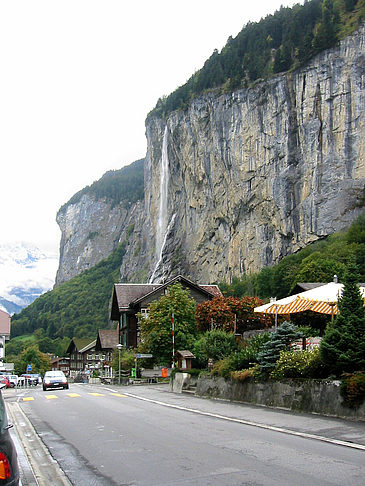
{"points": [[78, 78]]}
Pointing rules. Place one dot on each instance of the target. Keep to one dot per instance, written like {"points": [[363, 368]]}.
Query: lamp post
{"points": [[119, 346]]}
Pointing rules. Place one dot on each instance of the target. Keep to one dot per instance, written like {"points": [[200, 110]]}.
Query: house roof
{"points": [[107, 339], [185, 354], [4, 323], [125, 296], [88, 346], [79, 344]]}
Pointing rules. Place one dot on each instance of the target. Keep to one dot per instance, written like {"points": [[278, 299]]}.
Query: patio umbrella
{"points": [[321, 299]]}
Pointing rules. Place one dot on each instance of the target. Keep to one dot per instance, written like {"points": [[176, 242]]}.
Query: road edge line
{"points": [[304, 435]]}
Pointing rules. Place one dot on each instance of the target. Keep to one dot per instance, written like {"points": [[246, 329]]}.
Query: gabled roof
{"points": [[88, 346], [4, 323], [125, 296], [174, 280], [79, 344], [107, 339]]}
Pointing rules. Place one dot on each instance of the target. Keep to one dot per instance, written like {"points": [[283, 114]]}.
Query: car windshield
{"points": [[54, 374]]}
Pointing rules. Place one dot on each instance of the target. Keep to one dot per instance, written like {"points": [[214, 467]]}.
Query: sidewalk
{"points": [[344, 432]]}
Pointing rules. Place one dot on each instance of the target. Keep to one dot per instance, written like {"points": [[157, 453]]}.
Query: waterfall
{"points": [[162, 228], [159, 261]]}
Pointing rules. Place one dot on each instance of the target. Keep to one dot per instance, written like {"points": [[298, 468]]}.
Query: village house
{"points": [[130, 299], [81, 355], [62, 364], [106, 344]]}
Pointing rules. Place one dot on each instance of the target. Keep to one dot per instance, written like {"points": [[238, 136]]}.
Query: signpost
{"points": [[140, 355]]}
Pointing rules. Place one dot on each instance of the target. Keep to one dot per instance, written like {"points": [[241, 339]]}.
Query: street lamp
{"points": [[119, 346]]}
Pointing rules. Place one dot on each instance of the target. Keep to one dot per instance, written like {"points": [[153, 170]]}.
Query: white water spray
{"points": [[162, 229]]}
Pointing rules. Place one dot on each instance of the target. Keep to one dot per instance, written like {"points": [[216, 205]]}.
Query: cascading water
{"points": [[162, 228]]}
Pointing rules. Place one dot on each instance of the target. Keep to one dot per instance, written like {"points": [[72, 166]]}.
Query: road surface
{"points": [[146, 436]]}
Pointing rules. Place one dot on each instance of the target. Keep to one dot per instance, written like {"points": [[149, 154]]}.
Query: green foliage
{"points": [[127, 359], [353, 389], [280, 340], [40, 362], [298, 364], [315, 263], [116, 186], [280, 42], [156, 329], [215, 344], [249, 350], [77, 308], [343, 345]]}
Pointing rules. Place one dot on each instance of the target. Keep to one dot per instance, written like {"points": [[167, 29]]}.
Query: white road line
{"points": [[304, 435]]}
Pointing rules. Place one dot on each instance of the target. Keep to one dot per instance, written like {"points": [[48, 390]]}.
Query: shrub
{"points": [[249, 351], [353, 389], [242, 375], [216, 345], [222, 368], [298, 364]]}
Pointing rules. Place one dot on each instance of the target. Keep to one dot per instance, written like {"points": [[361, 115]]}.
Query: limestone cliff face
{"points": [[258, 174], [246, 178], [91, 230]]}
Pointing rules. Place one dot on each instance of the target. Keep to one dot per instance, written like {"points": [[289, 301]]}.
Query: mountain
{"points": [[236, 181], [98, 218], [24, 273]]}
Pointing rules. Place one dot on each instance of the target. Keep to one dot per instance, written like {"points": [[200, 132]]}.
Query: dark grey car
{"points": [[9, 471]]}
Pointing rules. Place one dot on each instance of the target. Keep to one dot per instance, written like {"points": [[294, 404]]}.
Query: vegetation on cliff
{"points": [[280, 42], [125, 185]]}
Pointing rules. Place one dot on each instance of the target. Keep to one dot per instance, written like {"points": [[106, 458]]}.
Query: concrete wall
{"points": [[310, 396]]}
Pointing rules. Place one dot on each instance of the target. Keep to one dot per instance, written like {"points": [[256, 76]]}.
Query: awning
{"points": [[300, 304], [321, 299]]}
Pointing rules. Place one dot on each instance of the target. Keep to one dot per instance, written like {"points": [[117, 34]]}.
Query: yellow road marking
{"points": [[28, 399], [73, 395], [51, 397], [97, 394], [118, 395]]}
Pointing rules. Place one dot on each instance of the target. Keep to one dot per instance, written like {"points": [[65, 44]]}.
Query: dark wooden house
{"points": [[130, 299], [106, 344]]}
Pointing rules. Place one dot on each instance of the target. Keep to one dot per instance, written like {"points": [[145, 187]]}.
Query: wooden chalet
{"points": [[106, 344], [130, 299], [79, 349]]}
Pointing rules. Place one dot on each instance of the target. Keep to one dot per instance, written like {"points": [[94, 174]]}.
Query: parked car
{"points": [[54, 379], [9, 470], [29, 379], [13, 380], [4, 382]]}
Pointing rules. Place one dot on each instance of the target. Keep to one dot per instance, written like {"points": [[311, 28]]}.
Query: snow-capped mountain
{"points": [[25, 274]]}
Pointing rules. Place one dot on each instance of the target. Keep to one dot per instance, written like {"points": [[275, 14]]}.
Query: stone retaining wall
{"points": [[310, 396]]}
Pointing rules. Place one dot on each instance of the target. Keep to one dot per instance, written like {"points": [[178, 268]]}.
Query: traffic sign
{"points": [[29, 367], [139, 355]]}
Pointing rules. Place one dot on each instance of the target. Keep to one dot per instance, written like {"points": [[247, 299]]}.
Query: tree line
{"points": [[125, 185], [280, 42]]}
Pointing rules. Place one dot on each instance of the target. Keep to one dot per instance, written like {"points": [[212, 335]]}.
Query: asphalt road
{"points": [[146, 436]]}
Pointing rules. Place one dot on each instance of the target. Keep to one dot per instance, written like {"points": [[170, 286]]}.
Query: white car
{"points": [[54, 379]]}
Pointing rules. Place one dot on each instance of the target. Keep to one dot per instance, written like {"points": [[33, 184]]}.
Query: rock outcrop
{"points": [[253, 176]]}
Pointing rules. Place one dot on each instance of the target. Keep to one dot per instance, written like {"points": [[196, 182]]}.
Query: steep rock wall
{"points": [[253, 176], [258, 174], [91, 230]]}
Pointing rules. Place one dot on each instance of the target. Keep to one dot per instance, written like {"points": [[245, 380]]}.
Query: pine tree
{"points": [[280, 340], [343, 345]]}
